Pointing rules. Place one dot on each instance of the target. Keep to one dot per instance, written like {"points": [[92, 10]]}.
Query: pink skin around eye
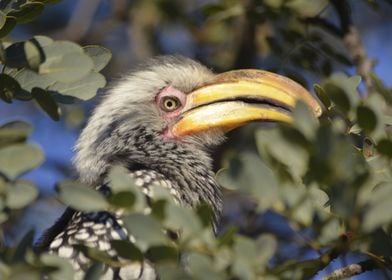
{"points": [[171, 91]]}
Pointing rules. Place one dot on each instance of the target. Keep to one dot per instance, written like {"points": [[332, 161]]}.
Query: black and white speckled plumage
{"points": [[126, 129]]}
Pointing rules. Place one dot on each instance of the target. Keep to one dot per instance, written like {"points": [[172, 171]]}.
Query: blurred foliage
{"points": [[329, 178]]}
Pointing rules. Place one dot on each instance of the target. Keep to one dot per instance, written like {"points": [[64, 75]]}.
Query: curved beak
{"points": [[238, 97]]}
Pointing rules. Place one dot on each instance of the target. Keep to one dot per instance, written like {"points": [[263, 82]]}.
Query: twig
{"points": [[363, 63], [351, 270]]}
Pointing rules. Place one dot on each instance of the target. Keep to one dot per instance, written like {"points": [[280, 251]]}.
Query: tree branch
{"points": [[351, 39], [352, 269]]}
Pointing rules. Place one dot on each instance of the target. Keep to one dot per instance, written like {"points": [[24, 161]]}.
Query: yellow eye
{"points": [[170, 103]]}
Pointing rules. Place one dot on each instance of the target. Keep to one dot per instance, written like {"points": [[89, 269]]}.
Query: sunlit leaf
{"points": [[20, 194], [83, 89], [19, 158], [81, 197], [379, 212], [100, 55]]}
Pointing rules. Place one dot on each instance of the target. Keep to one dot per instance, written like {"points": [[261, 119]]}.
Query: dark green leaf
{"points": [[14, 132], [8, 88], [227, 238], [20, 194], [122, 199], [15, 56], [127, 250], [3, 19], [338, 96], [205, 214], [322, 95], [19, 158], [94, 272], [162, 253], [27, 12], [81, 197], [384, 147], [366, 118], [100, 55], [8, 26], [47, 103]]}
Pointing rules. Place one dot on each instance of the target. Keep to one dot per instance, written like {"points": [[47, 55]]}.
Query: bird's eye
{"points": [[170, 103]]}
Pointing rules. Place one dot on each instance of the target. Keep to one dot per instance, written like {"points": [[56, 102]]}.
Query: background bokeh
{"points": [[213, 32]]}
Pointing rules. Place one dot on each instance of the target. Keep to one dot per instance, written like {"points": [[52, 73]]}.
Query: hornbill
{"points": [[158, 122]]}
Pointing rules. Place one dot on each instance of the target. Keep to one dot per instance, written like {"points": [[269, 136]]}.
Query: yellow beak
{"points": [[238, 97]]}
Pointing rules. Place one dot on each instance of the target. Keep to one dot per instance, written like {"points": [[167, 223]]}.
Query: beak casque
{"points": [[235, 98]]}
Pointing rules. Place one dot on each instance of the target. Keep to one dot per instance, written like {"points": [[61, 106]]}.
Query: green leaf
{"points": [[8, 26], [14, 132], [83, 89], [307, 8], [100, 55], [146, 230], [81, 197], [47, 103], [43, 41], [23, 54], [366, 118], [378, 212], [8, 88], [304, 120], [162, 254], [27, 12], [33, 54], [65, 62], [182, 219], [127, 250], [384, 146], [201, 265], [249, 174], [20, 194], [3, 19], [29, 79], [338, 96], [171, 271], [122, 199], [19, 158], [63, 267], [281, 149], [320, 92]]}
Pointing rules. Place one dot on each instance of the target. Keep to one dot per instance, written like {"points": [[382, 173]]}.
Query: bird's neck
{"points": [[187, 167]]}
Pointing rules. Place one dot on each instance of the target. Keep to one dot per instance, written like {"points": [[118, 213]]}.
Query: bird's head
{"points": [[172, 103]]}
